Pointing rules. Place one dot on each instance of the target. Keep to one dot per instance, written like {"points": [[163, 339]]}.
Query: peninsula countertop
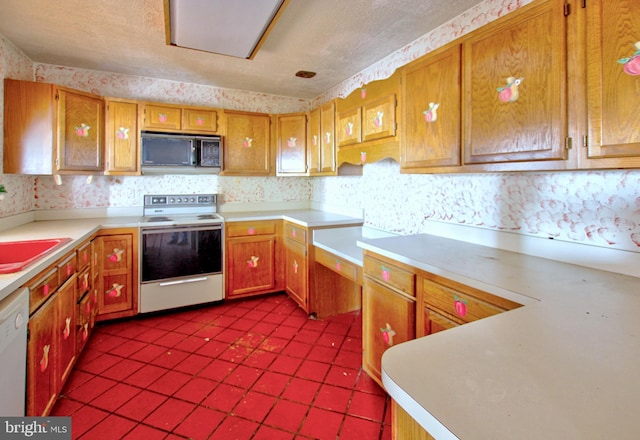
{"points": [[564, 366]]}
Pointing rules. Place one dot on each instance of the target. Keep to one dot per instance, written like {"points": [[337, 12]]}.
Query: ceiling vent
{"points": [[236, 28]]}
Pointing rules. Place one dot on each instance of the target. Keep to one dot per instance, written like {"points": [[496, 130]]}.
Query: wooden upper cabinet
{"points": [[327, 139], [313, 141], [366, 123], [199, 120], [162, 117], [613, 81], [180, 118], [514, 87], [292, 144], [50, 129], [247, 144], [122, 137], [431, 111], [321, 148], [80, 131], [349, 127]]}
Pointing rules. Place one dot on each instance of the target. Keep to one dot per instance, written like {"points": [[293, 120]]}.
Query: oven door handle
{"points": [[182, 228], [190, 280]]}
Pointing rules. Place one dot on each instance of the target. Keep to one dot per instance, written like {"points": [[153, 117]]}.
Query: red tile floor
{"points": [[252, 369]]}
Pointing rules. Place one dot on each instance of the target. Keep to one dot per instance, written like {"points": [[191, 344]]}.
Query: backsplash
{"points": [[593, 207]]}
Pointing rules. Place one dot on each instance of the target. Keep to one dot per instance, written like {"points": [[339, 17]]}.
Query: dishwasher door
{"points": [[14, 316]]}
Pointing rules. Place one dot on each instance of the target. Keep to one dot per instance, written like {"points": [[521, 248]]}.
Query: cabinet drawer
{"points": [[460, 305], [42, 288], [345, 268], [84, 255], [435, 322], [67, 268], [83, 283], [294, 232], [245, 229], [390, 275]]}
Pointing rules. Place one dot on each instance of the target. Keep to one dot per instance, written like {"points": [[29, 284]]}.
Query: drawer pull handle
{"points": [[116, 255], [293, 233], [387, 334], [116, 291], [251, 231], [386, 273], [44, 361], [45, 289], [295, 266], [68, 269], [85, 331], [67, 328], [460, 306], [338, 266], [253, 261]]}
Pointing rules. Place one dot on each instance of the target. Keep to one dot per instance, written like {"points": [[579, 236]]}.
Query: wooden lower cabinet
{"points": [[42, 383], [403, 426], [51, 348], [253, 261], [296, 272], [117, 280], [388, 318]]}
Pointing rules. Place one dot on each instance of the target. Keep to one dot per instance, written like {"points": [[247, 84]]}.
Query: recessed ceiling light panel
{"points": [[228, 27]]}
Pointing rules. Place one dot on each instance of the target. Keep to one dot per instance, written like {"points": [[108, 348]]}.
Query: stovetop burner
{"points": [[158, 218]]}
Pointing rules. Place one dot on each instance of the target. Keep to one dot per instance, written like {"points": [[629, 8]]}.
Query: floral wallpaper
{"points": [[593, 207]]}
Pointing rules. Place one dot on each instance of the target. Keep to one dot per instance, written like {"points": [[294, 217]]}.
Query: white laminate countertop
{"points": [[343, 241], [564, 366], [304, 217], [78, 229]]}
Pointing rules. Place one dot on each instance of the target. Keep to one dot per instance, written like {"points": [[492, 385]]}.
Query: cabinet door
{"points": [[162, 117], [314, 139], [247, 149], [349, 127], [122, 138], [613, 78], [431, 111], [41, 376], [66, 329], [199, 120], [295, 271], [292, 148], [515, 104], [251, 265], [327, 138], [80, 132], [388, 318], [116, 292], [379, 118]]}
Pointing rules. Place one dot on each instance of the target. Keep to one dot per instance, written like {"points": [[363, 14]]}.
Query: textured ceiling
{"points": [[335, 38]]}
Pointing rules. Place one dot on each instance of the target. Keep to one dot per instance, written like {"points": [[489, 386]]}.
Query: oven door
{"points": [[181, 266]]}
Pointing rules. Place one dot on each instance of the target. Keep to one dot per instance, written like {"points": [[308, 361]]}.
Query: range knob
{"points": [[171, 200], [193, 200], [179, 200]]}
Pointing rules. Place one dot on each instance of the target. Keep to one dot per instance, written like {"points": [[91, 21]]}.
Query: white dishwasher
{"points": [[14, 316]]}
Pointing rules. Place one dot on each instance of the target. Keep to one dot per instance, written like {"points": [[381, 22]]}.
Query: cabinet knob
{"points": [[67, 328], [44, 360], [387, 334], [253, 261]]}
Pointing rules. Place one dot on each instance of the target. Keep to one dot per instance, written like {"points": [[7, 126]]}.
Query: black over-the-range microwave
{"points": [[173, 153]]}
